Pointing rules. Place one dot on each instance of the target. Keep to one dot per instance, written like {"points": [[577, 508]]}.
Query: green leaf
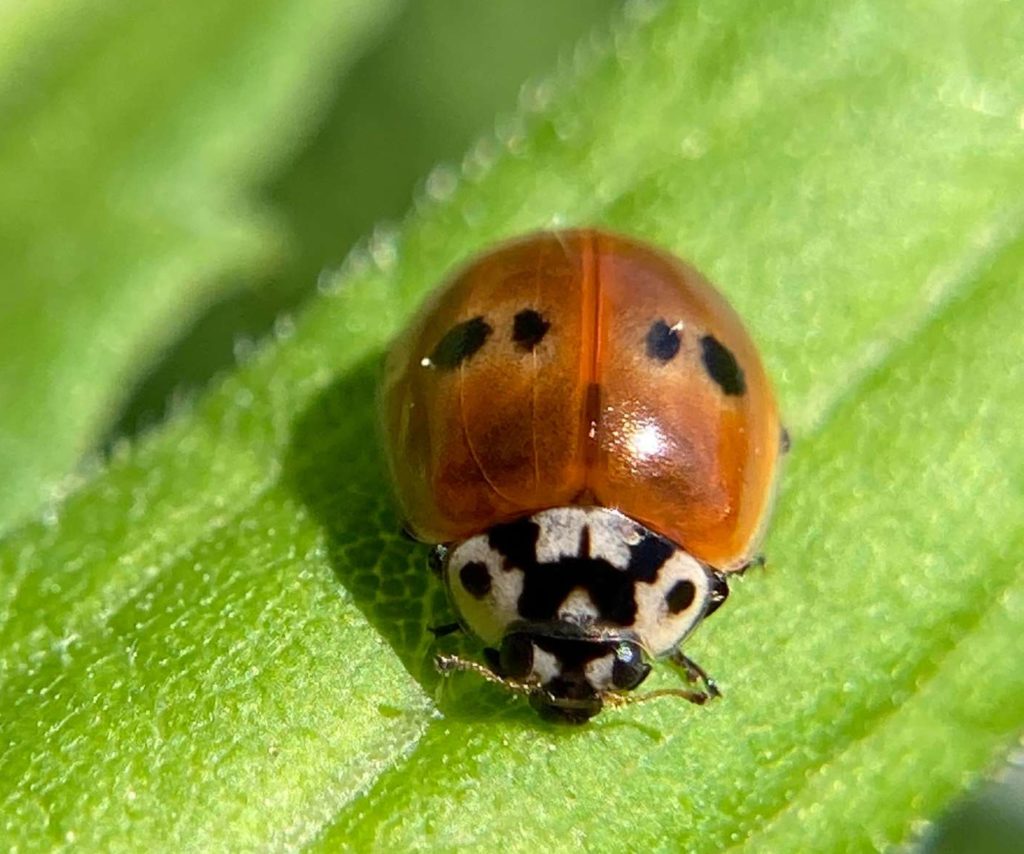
{"points": [[221, 640], [131, 139]]}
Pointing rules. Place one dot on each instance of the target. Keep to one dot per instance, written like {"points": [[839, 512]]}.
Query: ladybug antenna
{"points": [[449, 664], [616, 701]]}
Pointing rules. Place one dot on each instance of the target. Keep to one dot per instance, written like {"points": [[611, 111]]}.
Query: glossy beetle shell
{"points": [[582, 368]]}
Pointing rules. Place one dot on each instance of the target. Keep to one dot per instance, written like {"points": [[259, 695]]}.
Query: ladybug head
{"points": [[573, 673]]}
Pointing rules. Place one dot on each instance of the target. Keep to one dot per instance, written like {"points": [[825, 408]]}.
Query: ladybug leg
{"points": [[785, 443], [445, 630], [758, 561], [695, 673], [438, 555], [698, 698], [719, 591]]}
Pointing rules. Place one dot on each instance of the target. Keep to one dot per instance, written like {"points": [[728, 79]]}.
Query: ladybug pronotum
{"points": [[582, 425]]}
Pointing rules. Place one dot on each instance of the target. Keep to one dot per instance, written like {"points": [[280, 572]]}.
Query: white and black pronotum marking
{"points": [[577, 597]]}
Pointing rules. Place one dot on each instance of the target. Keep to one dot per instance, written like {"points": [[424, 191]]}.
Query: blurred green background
{"points": [[126, 282], [414, 102]]}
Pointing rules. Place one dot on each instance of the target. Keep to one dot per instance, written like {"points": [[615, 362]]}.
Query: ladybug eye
{"points": [[516, 656], [629, 668]]}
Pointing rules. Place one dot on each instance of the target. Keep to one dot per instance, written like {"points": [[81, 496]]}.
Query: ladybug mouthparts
{"points": [[574, 672]]}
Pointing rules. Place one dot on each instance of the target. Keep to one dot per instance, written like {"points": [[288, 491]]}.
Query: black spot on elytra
{"points": [[546, 586], [529, 328], [680, 597], [460, 343], [722, 367], [662, 342], [476, 579]]}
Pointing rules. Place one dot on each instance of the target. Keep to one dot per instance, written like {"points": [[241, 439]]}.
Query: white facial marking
{"points": [[545, 666], [611, 535], [488, 616], [578, 608], [599, 672], [561, 529], [560, 532], [660, 629]]}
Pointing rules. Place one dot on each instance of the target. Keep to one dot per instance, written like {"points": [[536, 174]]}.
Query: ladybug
{"points": [[582, 425]]}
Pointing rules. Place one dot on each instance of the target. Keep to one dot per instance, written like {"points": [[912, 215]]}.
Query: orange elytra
{"points": [[583, 425]]}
